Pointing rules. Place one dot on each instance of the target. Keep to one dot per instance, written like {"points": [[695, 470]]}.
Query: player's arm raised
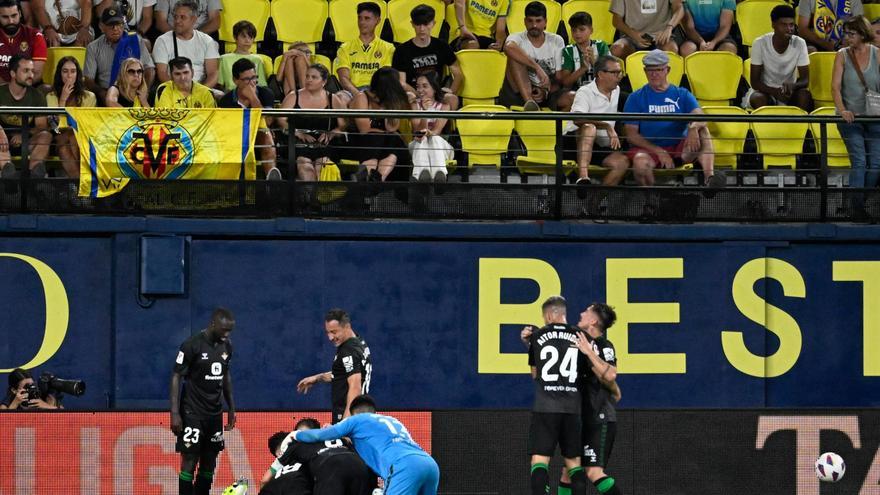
{"points": [[306, 383], [227, 394], [605, 372]]}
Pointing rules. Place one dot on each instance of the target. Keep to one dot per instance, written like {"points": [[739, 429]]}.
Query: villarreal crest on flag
{"points": [[120, 144]]}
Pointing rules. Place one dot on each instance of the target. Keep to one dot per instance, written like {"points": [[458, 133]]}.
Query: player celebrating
{"points": [[352, 368], [284, 479], [555, 360], [599, 393], [203, 361], [335, 468], [386, 447]]}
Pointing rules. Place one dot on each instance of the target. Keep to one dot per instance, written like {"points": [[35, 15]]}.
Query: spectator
{"points": [[248, 94], [377, 143], [775, 56], [534, 59], [107, 51], [186, 41], [820, 22], [130, 89], [875, 28], [314, 135], [295, 62], [596, 141], [425, 54], [182, 91], [17, 396], [207, 14], [138, 13], [482, 24], [21, 93], [707, 26], [358, 59], [662, 143], [68, 90], [848, 88], [19, 39], [244, 32], [27, 14], [429, 150], [578, 58], [646, 24], [65, 22]]}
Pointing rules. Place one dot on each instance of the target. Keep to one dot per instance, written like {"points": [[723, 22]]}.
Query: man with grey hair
{"points": [[186, 41], [666, 144]]}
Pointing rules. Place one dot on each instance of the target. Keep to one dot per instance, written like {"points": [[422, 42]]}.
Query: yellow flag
{"points": [[120, 144]]}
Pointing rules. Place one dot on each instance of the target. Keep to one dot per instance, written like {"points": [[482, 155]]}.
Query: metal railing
{"points": [[812, 196]]}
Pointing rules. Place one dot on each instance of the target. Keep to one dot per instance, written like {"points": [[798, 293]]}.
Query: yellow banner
{"points": [[120, 144]]}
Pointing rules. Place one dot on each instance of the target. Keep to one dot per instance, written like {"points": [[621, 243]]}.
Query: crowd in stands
{"points": [[165, 53]]}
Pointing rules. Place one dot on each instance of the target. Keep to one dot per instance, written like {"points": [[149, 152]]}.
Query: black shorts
{"points": [[294, 483], [344, 474], [201, 435], [484, 42], [549, 429], [598, 442], [569, 150]]}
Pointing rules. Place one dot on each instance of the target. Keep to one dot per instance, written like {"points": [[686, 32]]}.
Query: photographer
{"points": [[24, 393]]}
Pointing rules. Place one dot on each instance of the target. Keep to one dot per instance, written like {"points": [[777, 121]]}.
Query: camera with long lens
{"points": [[33, 393], [50, 384]]}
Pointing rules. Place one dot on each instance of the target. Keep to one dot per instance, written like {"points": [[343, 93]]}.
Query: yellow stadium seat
{"points": [[268, 65], [836, 149], [322, 59], [821, 67], [57, 53], [727, 137], [539, 138], [484, 140], [452, 22], [747, 71], [516, 15], [483, 72], [344, 16], [872, 10], [300, 20], [401, 26], [637, 76], [753, 18], [256, 11], [603, 29], [779, 143], [713, 76]]}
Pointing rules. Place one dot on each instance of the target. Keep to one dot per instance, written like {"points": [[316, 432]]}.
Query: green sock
{"points": [[606, 485], [564, 489]]}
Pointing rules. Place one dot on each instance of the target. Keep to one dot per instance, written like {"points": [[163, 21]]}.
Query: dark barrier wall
{"points": [[701, 324], [659, 452]]}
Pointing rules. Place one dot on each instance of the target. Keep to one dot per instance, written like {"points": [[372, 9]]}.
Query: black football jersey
{"points": [[203, 364], [554, 354], [597, 405], [353, 356], [288, 479], [313, 455]]}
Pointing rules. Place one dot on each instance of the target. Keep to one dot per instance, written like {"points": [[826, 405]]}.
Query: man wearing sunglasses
{"points": [[101, 54], [247, 94]]}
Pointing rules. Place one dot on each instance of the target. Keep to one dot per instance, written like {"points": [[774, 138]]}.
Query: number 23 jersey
{"points": [[554, 354], [204, 364]]}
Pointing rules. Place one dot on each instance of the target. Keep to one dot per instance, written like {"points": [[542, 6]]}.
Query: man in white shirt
{"points": [[186, 41], [597, 140], [207, 15], [534, 59], [775, 58]]}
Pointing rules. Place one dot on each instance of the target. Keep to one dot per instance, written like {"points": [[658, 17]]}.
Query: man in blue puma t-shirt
{"points": [[656, 143]]}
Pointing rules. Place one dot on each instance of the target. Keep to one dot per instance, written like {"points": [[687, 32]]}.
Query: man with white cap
{"points": [[667, 144]]}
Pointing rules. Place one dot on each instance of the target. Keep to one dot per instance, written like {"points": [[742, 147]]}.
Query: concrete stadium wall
{"points": [[717, 317]]}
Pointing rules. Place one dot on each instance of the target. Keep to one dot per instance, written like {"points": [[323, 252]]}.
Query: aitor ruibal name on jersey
{"points": [[554, 354]]}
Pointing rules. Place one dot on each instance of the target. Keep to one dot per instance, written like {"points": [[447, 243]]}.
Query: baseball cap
{"points": [[655, 57]]}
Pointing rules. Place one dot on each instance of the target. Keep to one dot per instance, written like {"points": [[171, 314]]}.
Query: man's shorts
{"points": [[569, 149], [484, 42], [549, 429], [341, 474], [674, 151], [598, 441], [415, 474], [677, 36], [201, 435]]}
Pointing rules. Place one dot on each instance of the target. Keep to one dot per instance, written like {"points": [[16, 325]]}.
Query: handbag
{"points": [[872, 98]]}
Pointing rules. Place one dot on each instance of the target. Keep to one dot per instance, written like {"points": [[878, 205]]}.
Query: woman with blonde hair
{"points": [[130, 88], [854, 81]]}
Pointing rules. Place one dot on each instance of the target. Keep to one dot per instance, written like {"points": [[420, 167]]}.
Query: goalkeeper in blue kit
{"points": [[386, 447]]}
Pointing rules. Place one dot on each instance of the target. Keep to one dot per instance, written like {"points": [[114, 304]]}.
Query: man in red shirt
{"points": [[17, 38]]}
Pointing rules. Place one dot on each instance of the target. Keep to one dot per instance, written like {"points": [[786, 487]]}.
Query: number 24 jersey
{"points": [[554, 354]]}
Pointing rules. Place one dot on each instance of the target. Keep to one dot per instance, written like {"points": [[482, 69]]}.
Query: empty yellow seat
{"points": [[516, 15], [300, 20], [636, 71], [836, 149], [603, 28], [753, 18], [821, 67], [713, 76], [401, 25], [778, 142], [483, 72], [484, 140], [539, 138], [727, 137]]}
